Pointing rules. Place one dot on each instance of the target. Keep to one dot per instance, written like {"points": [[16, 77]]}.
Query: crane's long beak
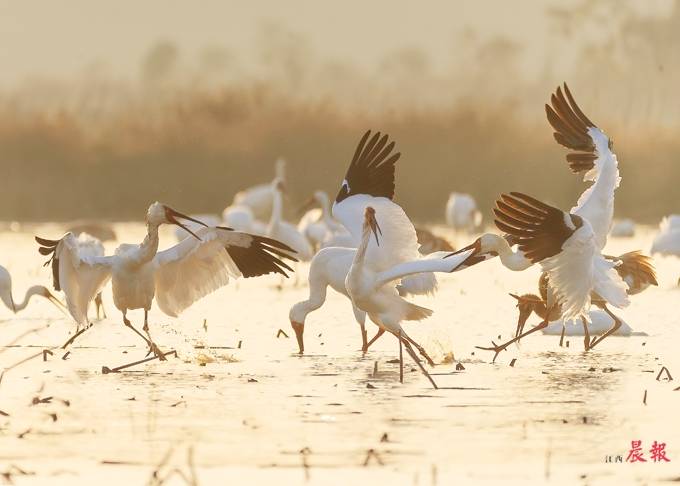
{"points": [[57, 303], [475, 257], [172, 216], [307, 205], [373, 224], [299, 328]]}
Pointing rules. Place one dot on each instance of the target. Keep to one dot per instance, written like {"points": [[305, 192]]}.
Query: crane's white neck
{"points": [[514, 260], [277, 208], [360, 255], [6, 297], [326, 209], [35, 290], [596, 204], [149, 247]]}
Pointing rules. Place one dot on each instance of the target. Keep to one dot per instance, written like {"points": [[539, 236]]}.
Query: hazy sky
{"points": [[248, 40], [62, 38]]}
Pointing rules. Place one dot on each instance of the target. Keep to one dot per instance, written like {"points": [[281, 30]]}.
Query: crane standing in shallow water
{"points": [[635, 269], [176, 277], [373, 288]]}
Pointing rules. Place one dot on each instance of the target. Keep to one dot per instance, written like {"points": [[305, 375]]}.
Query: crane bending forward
{"points": [[176, 277]]}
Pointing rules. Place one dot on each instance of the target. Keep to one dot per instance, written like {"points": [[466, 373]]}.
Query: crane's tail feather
{"points": [[417, 313]]}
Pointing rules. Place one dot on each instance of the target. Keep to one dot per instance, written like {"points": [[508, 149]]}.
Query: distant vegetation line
{"points": [[195, 151]]}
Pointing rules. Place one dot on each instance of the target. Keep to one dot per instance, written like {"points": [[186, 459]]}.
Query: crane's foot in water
{"points": [[75, 336], [106, 370], [152, 346], [497, 348]]}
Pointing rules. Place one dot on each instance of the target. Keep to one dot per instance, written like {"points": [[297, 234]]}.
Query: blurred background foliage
{"points": [[191, 128]]}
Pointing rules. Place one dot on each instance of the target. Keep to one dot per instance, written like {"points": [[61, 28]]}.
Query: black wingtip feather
{"points": [[263, 256], [372, 168], [570, 127], [539, 229]]}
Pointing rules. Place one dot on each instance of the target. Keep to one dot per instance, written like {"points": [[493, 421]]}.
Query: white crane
{"points": [[89, 246], [372, 285], [623, 228], [317, 224], [567, 248], [589, 222], [633, 267], [667, 240], [329, 267], [599, 322], [369, 181], [342, 238], [462, 213], [260, 198], [241, 218], [35, 290], [591, 155], [286, 232], [492, 245], [176, 277]]}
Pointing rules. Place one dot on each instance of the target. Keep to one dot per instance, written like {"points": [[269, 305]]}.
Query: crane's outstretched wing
{"points": [[565, 246], [194, 268], [591, 155], [78, 273], [540, 230], [442, 261], [371, 171], [369, 181], [636, 269]]}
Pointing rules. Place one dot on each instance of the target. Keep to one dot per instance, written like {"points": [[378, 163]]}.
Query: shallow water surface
{"points": [[262, 413]]}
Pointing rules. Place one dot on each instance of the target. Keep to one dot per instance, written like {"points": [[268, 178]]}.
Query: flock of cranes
{"points": [[364, 246]]}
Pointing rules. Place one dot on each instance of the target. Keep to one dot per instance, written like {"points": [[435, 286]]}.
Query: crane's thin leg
{"points": [[151, 345], [412, 353], [364, 338], [75, 336], [524, 315], [420, 349], [380, 332], [360, 317], [497, 348], [128, 324], [401, 359], [612, 330], [562, 334], [99, 304], [153, 348], [586, 334]]}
